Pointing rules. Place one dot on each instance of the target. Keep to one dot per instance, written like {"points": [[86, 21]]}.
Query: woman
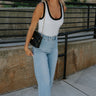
{"points": [[45, 57]]}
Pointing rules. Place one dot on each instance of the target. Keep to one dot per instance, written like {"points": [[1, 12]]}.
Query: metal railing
{"points": [[87, 29], [64, 35], [66, 43]]}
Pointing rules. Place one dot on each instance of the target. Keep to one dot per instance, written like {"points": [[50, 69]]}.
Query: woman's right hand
{"points": [[28, 52], [35, 18]]}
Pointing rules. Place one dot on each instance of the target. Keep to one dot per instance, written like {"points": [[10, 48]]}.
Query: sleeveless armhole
{"points": [[43, 11]]}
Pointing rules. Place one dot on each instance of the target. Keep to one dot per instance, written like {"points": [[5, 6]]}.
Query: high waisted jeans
{"points": [[45, 60]]}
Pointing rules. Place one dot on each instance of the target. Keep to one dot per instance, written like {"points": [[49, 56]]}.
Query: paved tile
{"points": [[82, 83], [60, 88], [84, 80]]}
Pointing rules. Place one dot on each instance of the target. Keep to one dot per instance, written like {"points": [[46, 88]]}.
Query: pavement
{"points": [[82, 83]]}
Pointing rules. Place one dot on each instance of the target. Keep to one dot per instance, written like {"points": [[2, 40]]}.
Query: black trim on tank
{"points": [[50, 13], [43, 12]]}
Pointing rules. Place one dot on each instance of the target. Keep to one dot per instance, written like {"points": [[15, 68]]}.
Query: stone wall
{"points": [[17, 69]]}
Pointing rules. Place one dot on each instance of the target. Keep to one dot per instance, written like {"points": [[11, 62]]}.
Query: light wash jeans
{"points": [[45, 60]]}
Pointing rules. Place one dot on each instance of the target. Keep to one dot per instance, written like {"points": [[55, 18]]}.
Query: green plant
{"points": [[84, 1], [74, 0], [20, 4]]}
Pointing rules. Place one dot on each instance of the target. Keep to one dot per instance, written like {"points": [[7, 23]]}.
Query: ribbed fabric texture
{"points": [[51, 25]]}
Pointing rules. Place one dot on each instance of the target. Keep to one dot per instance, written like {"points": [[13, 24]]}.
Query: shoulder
{"points": [[38, 9], [65, 8], [40, 6]]}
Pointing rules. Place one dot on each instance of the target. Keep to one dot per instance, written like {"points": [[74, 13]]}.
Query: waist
{"points": [[49, 37]]}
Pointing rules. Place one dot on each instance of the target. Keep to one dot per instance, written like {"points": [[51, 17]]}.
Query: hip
{"points": [[48, 44]]}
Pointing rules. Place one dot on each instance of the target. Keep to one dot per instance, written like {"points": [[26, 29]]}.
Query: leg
{"points": [[42, 72], [52, 61]]}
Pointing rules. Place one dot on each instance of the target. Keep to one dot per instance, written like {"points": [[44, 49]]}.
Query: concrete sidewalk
{"points": [[82, 83]]}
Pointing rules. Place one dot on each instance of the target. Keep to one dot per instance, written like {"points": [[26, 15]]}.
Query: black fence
{"points": [[88, 30], [29, 3], [88, 22]]}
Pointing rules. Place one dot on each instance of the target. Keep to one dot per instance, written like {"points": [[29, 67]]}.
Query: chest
{"points": [[54, 12]]}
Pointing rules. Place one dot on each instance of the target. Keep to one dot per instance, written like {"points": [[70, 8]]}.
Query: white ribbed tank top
{"points": [[51, 25]]}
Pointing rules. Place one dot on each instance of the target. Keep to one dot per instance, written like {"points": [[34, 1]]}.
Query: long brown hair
{"points": [[61, 1]]}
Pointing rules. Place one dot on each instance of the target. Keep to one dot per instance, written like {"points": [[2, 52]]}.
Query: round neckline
{"points": [[50, 13]]}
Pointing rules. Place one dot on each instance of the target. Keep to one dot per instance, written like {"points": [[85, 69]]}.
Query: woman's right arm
{"points": [[35, 18]]}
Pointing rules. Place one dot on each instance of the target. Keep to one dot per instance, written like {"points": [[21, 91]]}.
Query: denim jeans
{"points": [[45, 60]]}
